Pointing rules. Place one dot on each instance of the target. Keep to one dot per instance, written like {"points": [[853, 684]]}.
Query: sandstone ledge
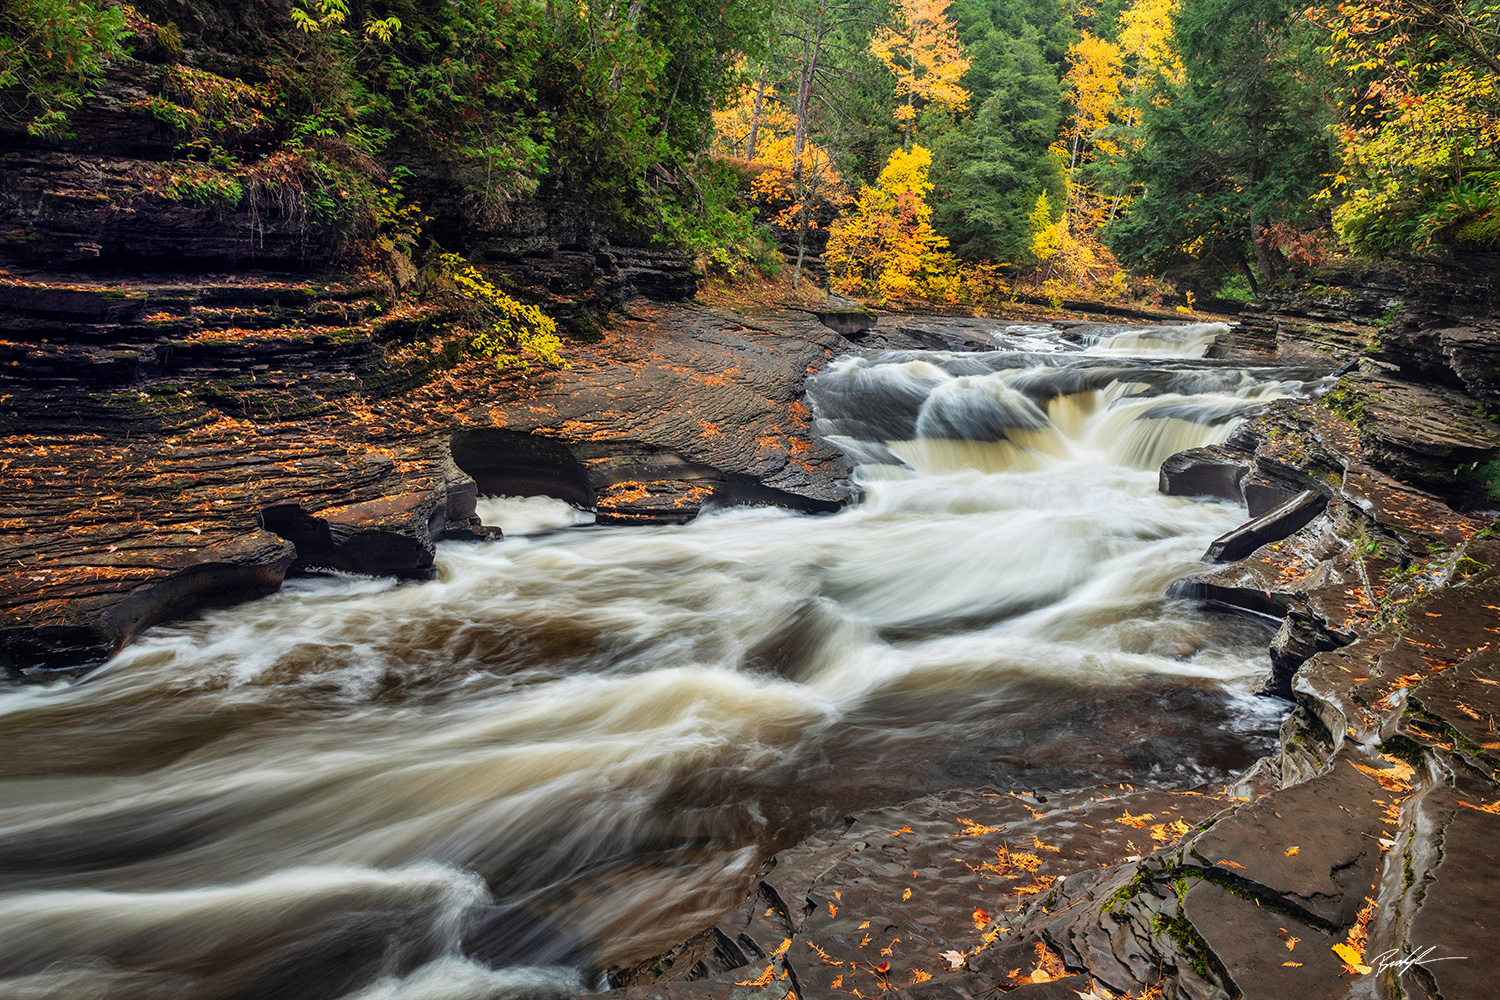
{"points": [[171, 444]]}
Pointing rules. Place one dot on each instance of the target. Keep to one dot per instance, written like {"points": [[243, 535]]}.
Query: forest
{"points": [[943, 150]]}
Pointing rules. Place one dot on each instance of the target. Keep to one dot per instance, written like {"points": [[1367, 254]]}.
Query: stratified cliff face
{"points": [[139, 185], [1427, 335]]}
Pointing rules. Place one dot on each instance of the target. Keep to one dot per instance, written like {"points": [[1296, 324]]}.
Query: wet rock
{"points": [[671, 412], [1422, 434], [1302, 635], [1271, 526], [846, 317], [391, 536], [1204, 472], [92, 607], [171, 414]]}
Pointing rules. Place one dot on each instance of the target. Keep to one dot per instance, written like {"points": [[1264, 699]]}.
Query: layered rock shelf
{"points": [[174, 443]]}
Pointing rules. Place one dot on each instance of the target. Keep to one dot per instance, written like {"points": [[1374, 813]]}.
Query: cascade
{"points": [[576, 746]]}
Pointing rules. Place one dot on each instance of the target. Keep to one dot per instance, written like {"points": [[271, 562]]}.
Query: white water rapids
{"points": [[575, 747]]}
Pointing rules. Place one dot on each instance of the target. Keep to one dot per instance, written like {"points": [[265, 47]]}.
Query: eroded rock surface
{"points": [[151, 428]]}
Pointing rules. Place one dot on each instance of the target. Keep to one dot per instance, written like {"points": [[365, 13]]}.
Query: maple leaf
{"points": [[1353, 960], [1095, 992], [955, 959]]}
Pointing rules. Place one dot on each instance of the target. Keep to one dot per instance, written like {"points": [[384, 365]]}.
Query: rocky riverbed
{"points": [[187, 441]]}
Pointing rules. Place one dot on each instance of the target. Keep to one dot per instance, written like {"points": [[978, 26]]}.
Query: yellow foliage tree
{"points": [[922, 49], [753, 119], [1146, 34], [781, 182], [1092, 87], [887, 247]]}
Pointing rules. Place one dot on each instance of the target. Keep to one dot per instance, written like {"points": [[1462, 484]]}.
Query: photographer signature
{"points": [[1394, 960]]}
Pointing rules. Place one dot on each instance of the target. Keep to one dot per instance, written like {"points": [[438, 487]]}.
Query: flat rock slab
{"points": [[1272, 526], [931, 889]]}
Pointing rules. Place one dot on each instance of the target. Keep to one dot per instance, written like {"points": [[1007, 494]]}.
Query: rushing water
{"points": [[576, 746]]}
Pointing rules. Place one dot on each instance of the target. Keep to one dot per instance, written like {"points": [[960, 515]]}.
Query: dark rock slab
{"points": [[93, 610], [1302, 635], [1266, 955], [1334, 824], [1423, 434], [673, 411], [1204, 472], [391, 536], [1272, 526]]}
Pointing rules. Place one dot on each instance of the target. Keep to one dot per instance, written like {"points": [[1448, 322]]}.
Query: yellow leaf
{"points": [[1351, 958]]}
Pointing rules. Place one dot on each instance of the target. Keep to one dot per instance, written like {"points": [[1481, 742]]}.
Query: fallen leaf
{"points": [[764, 979], [1292, 851], [906, 895], [981, 917], [1292, 965], [1291, 943], [1351, 958], [955, 959]]}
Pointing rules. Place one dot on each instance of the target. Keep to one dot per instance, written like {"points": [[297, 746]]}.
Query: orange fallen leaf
{"points": [[906, 895], [1292, 965], [981, 917], [1291, 851], [764, 979]]}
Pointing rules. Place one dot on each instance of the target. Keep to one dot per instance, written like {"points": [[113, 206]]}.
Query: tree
{"points": [[1420, 137], [1235, 147], [887, 248], [991, 170], [921, 49]]}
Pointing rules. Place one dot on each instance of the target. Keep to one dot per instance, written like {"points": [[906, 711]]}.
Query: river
{"points": [[576, 746]]}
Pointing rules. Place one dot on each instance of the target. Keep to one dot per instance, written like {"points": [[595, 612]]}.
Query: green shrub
{"points": [[53, 54]]}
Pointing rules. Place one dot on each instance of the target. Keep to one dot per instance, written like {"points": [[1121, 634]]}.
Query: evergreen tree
{"points": [[990, 172], [1237, 146]]}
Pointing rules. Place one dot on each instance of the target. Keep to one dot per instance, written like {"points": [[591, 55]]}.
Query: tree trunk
{"points": [[760, 96]]}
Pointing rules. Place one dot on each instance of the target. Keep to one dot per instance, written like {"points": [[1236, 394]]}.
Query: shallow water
{"points": [[576, 746]]}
